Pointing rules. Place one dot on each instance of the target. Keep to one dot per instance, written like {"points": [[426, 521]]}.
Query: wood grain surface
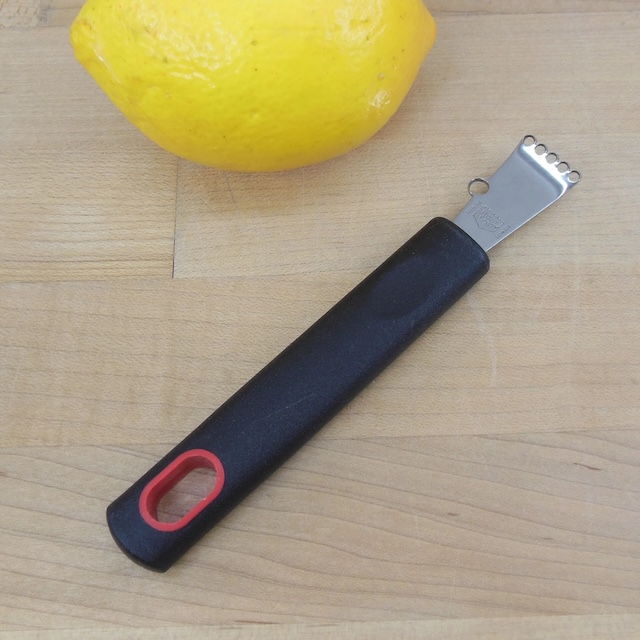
{"points": [[487, 485]]}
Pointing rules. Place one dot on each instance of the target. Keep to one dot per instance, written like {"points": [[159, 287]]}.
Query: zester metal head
{"points": [[529, 181]]}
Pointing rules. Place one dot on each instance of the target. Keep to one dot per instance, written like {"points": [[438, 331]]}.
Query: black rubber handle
{"points": [[286, 403]]}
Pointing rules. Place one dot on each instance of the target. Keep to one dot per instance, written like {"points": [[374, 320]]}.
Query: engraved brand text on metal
{"points": [[486, 218]]}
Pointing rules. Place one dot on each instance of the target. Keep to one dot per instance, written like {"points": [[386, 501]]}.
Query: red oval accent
{"points": [[169, 478]]}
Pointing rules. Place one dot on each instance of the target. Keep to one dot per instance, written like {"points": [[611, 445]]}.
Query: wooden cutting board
{"points": [[487, 485]]}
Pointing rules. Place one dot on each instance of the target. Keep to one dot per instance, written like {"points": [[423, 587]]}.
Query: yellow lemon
{"points": [[255, 85]]}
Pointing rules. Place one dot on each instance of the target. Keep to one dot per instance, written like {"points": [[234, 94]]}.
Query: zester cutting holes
{"points": [[297, 393]]}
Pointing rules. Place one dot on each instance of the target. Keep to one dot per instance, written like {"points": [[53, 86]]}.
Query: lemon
{"points": [[255, 85]]}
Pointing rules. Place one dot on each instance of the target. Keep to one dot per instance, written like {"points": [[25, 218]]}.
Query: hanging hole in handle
{"points": [[478, 187], [182, 490], [186, 494]]}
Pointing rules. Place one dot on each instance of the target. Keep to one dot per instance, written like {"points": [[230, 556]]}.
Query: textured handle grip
{"points": [[279, 409]]}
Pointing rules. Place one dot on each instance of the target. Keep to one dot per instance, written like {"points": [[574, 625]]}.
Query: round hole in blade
{"points": [[541, 149], [478, 187]]}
